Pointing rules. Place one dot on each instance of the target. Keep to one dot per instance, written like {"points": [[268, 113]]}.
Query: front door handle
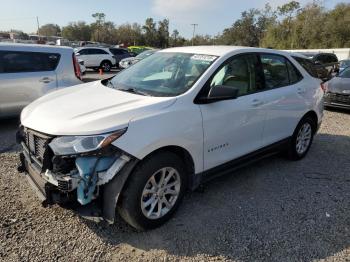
{"points": [[46, 80], [257, 102]]}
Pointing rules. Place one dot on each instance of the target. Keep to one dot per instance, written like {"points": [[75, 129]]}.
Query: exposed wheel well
{"points": [[106, 61], [182, 153], [313, 116]]}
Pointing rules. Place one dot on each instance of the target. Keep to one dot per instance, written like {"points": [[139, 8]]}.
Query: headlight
{"points": [[71, 145]]}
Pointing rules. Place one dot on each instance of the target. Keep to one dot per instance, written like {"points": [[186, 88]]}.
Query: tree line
{"points": [[288, 26]]}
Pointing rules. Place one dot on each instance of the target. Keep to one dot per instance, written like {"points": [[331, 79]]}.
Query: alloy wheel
{"points": [[160, 193]]}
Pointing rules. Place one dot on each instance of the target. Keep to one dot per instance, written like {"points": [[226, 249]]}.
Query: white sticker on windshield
{"points": [[207, 58]]}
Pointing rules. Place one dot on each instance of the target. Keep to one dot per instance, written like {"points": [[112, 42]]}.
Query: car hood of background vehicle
{"points": [[89, 109], [130, 59], [338, 85]]}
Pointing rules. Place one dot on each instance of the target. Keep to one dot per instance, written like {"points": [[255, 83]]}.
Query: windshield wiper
{"points": [[133, 91], [110, 84]]}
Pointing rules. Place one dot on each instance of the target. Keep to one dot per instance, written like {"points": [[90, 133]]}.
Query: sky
{"points": [[212, 16]]}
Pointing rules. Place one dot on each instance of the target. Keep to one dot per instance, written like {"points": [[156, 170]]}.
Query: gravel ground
{"points": [[275, 210]]}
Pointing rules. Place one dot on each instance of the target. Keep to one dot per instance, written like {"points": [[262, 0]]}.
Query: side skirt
{"points": [[238, 163]]}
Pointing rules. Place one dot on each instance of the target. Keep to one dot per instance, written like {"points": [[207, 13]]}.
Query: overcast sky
{"points": [[212, 16]]}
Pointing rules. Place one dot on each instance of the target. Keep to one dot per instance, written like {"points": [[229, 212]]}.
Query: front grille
{"points": [[37, 144], [338, 98]]}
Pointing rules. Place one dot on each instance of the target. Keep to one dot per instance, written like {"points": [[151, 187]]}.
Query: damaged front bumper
{"points": [[93, 178]]}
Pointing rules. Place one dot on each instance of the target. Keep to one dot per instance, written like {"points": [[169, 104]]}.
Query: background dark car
{"points": [[338, 90], [317, 71], [323, 62], [119, 54]]}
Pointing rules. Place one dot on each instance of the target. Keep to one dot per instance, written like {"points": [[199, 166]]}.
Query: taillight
{"points": [[76, 67], [324, 87]]}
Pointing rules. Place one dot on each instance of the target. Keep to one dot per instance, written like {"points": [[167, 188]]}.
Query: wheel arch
{"points": [[181, 152], [312, 114]]}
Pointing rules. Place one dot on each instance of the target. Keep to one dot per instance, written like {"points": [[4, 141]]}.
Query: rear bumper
{"points": [[337, 100]]}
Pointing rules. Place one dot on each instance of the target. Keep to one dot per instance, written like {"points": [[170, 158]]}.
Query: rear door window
{"points": [[97, 52], [18, 62], [275, 70]]}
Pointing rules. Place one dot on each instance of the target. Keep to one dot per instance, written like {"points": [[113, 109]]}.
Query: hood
{"points": [[129, 59], [88, 109], [339, 85]]}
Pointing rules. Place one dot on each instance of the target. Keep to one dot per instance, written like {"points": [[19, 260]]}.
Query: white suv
{"points": [[96, 57], [30, 71], [135, 143]]}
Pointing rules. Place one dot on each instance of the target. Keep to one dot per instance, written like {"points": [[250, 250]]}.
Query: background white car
{"points": [[30, 71], [96, 57]]}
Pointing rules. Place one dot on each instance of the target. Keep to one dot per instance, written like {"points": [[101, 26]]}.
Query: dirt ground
{"points": [[275, 210]]}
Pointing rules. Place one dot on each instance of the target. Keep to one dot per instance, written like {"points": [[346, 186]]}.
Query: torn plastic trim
{"points": [[105, 177], [96, 171], [113, 189]]}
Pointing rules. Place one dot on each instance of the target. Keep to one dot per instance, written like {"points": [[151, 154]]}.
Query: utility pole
{"points": [[37, 23], [194, 30]]}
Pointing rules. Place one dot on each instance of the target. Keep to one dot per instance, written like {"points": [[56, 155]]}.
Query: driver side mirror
{"points": [[219, 93]]}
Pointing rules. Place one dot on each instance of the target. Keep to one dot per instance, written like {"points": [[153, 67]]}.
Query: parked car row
{"points": [[102, 58]]}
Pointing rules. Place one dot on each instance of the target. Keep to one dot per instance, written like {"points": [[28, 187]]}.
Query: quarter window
{"points": [[242, 73], [294, 75], [307, 65], [17, 62]]}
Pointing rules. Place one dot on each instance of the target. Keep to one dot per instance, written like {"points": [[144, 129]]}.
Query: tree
{"points": [[174, 38], [150, 32], [77, 31], [97, 26], [50, 30], [129, 34], [249, 29], [163, 34]]}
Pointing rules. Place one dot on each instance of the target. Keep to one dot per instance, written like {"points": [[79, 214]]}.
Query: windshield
{"points": [[345, 73], [144, 54], [163, 74], [345, 63]]}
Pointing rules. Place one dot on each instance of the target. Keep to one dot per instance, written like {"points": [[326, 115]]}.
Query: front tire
{"points": [[302, 139], [154, 191]]}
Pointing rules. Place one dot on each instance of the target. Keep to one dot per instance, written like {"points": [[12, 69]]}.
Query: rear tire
{"points": [[302, 139], [153, 191], [106, 66]]}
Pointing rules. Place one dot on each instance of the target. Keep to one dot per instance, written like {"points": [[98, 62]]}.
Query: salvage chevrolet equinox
{"points": [[136, 142]]}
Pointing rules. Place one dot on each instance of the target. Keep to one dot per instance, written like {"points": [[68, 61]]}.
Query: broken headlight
{"points": [[71, 145]]}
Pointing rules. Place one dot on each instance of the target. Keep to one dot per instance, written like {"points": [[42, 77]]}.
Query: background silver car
{"points": [[126, 62], [30, 71], [338, 90]]}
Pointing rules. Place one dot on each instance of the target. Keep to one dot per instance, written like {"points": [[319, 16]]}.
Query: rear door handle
{"points": [[301, 90], [46, 80], [257, 102]]}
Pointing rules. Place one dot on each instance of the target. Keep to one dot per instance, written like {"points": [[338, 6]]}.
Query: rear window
{"points": [[307, 65], [18, 62]]}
